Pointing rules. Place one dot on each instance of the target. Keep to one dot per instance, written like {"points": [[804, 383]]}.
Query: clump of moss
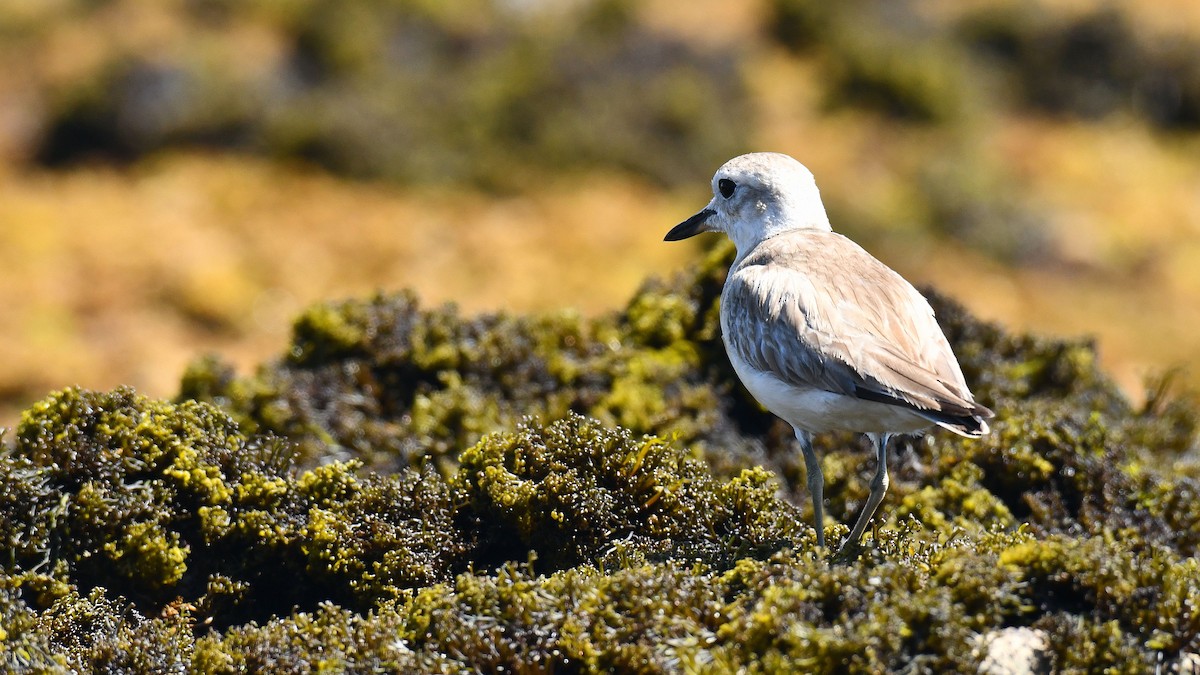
{"points": [[158, 501], [1121, 595], [28, 504], [647, 619], [102, 634], [427, 383], [574, 490], [376, 536], [908, 605], [326, 639], [792, 610], [128, 479], [24, 647], [911, 607]]}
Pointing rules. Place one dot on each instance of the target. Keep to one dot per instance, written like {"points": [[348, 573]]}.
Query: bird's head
{"points": [[757, 196]]}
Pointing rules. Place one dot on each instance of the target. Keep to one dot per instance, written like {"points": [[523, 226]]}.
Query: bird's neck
{"points": [[804, 211], [807, 215]]}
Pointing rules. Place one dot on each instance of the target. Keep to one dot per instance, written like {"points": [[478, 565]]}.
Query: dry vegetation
{"points": [[124, 276]]}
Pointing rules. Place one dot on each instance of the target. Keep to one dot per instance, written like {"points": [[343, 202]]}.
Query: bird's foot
{"points": [[848, 553]]}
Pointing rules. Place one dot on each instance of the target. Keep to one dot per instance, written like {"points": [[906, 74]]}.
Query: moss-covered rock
{"points": [[652, 518], [913, 605], [129, 479], [158, 501], [163, 502]]}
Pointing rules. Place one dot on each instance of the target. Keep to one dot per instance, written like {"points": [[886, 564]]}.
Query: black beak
{"points": [[690, 227]]}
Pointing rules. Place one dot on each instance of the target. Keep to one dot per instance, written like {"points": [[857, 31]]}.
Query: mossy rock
{"points": [[379, 499], [162, 502]]}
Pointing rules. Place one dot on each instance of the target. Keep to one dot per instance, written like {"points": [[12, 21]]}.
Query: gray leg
{"points": [[816, 483], [879, 486]]}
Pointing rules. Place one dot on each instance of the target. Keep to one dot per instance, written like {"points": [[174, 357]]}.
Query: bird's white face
{"points": [[757, 196]]}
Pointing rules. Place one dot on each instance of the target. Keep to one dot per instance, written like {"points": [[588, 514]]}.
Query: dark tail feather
{"points": [[971, 426], [964, 419]]}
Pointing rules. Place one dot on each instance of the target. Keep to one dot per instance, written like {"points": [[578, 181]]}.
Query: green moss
{"points": [[645, 562], [578, 620], [790, 611], [148, 553], [24, 647], [329, 639], [29, 505], [659, 320], [107, 635], [912, 606], [158, 501], [573, 489], [455, 415], [959, 501], [424, 384], [120, 479], [1079, 644], [653, 518], [1115, 582], [323, 332], [384, 535], [82, 437], [636, 399]]}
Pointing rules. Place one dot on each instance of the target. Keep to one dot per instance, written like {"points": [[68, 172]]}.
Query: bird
{"points": [[823, 334]]}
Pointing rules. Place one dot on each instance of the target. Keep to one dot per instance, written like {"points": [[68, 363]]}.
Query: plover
{"points": [[822, 334]]}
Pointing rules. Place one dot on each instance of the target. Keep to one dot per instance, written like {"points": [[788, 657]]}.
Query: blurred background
{"points": [[183, 176]]}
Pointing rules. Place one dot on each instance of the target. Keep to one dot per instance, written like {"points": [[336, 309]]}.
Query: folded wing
{"points": [[817, 310]]}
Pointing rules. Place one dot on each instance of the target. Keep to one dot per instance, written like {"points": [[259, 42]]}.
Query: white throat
{"points": [[794, 210]]}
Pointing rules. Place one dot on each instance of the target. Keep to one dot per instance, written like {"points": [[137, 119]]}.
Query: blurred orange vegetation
{"points": [[125, 276], [116, 275]]}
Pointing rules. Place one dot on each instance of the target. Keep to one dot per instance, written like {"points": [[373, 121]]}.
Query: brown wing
{"points": [[816, 309]]}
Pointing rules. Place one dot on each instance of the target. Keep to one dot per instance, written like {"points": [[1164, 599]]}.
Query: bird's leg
{"points": [[816, 483], [879, 486]]}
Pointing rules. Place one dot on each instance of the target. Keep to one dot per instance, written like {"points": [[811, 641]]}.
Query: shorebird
{"points": [[820, 332]]}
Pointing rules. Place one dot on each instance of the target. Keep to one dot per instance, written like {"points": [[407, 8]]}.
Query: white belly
{"points": [[820, 411]]}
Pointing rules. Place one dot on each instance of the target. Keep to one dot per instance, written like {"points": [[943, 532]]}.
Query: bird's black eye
{"points": [[726, 187]]}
